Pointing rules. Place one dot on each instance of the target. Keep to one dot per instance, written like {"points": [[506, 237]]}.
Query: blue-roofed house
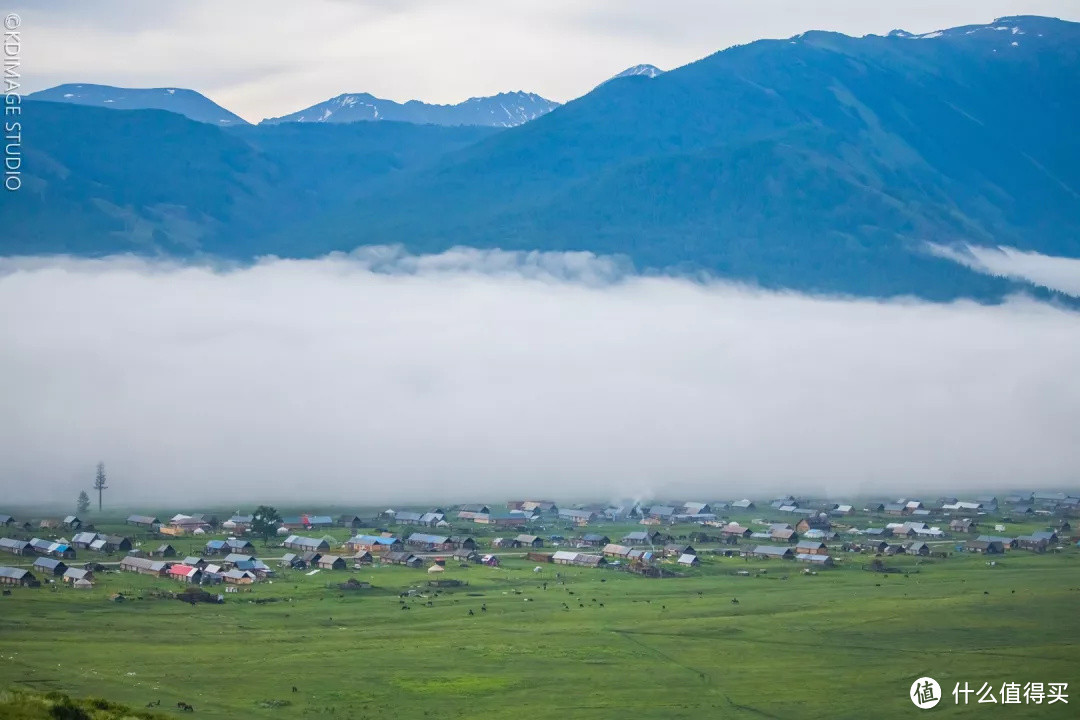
{"points": [[214, 547]]}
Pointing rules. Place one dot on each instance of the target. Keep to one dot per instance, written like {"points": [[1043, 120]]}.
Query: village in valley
{"points": [[673, 538], [501, 591]]}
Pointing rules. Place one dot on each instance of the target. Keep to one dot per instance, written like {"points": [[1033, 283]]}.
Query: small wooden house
{"points": [[17, 576], [811, 547], [50, 566], [331, 562], [532, 541], [238, 577], [165, 550], [594, 540], [114, 543], [402, 558], [73, 574]]}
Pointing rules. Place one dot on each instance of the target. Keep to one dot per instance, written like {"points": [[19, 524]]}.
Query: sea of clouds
{"points": [[379, 377]]}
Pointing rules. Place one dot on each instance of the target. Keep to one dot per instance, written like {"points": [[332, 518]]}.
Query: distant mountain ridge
{"points": [[507, 109], [503, 110], [181, 101], [821, 163]]}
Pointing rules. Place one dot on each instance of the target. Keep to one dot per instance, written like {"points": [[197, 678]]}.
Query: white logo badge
{"points": [[925, 693]]}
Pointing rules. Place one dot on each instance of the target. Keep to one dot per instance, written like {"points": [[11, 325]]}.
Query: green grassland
{"points": [[839, 643], [842, 643]]}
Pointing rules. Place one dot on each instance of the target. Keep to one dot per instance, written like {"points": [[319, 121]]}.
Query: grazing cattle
{"points": [[185, 707]]}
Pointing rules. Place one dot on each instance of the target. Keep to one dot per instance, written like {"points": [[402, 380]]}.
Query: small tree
{"points": [[99, 483], [265, 521], [83, 503]]}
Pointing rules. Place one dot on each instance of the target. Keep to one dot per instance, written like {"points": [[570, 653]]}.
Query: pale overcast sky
{"points": [[263, 58]]}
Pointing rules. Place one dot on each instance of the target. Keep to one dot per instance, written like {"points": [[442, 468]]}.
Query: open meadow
{"points": [[566, 642]]}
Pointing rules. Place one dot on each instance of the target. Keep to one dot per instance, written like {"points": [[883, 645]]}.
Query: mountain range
{"points": [[188, 103], [506, 109], [820, 162], [502, 110]]}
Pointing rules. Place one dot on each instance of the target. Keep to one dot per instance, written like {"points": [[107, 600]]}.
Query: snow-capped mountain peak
{"points": [[647, 70], [506, 109]]}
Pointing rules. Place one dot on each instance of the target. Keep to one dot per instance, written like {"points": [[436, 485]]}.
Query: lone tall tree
{"points": [[83, 503], [99, 483], [265, 521]]}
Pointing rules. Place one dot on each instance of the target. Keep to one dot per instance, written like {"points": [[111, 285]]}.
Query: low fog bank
{"points": [[1056, 273], [380, 377]]}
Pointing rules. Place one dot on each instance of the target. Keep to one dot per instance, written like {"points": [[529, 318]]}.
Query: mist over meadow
{"points": [[379, 377]]}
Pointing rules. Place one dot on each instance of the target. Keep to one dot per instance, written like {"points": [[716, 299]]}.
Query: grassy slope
{"points": [[29, 705], [796, 645]]}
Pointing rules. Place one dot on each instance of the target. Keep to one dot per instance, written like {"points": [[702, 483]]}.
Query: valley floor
{"points": [[842, 643]]}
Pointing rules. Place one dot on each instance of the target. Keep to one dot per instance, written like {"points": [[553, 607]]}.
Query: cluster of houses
{"points": [[520, 513], [81, 578], [995, 544], [233, 568], [71, 522], [64, 548], [804, 538]]}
